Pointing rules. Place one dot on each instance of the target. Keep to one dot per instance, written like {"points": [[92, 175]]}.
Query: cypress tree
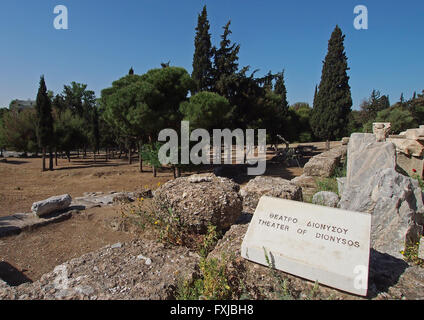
{"points": [[202, 64], [333, 102], [44, 121], [315, 94], [280, 88], [131, 72]]}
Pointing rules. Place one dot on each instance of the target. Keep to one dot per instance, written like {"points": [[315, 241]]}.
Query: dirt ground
{"points": [[28, 256]]}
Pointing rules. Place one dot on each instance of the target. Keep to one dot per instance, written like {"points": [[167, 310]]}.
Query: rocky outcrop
{"points": [[373, 185], [139, 270], [51, 205], [268, 186], [395, 201], [396, 205], [326, 199], [200, 200]]}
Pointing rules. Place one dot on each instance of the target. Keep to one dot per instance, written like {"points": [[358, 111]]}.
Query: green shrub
{"points": [[327, 184], [213, 283]]}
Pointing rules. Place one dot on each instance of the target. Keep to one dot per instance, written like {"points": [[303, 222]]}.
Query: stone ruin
{"points": [[410, 150], [372, 185]]}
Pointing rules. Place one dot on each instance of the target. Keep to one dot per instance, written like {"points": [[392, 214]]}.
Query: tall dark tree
{"points": [[131, 72], [202, 60], [44, 122], [333, 102], [225, 64], [280, 88]]}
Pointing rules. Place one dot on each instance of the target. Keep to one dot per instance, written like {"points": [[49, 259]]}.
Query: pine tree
{"points": [[44, 122], [131, 72], [333, 102], [225, 64], [202, 60]]}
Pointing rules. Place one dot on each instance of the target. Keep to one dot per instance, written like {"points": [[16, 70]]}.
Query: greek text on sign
{"points": [[317, 243]]}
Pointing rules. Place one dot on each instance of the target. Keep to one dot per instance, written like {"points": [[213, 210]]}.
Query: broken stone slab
{"points": [[415, 134], [268, 186], [324, 164], [321, 167], [19, 222], [51, 205], [326, 199], [396, 205], [366, 157], [408, 147], [98, 199]]}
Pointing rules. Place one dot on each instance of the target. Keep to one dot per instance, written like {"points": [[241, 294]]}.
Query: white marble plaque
{"points": [[322, 244]]}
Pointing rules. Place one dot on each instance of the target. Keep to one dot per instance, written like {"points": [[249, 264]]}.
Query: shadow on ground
{"points": [[12, 276], [384, 272]]}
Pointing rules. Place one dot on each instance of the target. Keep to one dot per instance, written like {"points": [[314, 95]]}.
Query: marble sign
{"points": [[322, 244]]}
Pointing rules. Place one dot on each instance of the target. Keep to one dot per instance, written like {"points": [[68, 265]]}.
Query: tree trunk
{"points": [[50, 160], [94, 156], [154, 172], [178, 172], [55, 156], [43, 158], [68, 155], [129, 156], [106, 157], [140, 158]]}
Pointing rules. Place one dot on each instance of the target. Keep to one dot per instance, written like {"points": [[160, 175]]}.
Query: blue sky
{"points": [[106, 38]]}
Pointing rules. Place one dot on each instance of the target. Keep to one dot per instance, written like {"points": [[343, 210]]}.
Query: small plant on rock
{"points": [[411, 254], [283, 291], [418, 178], [209, 241], [212, 284], [168, 225]]}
